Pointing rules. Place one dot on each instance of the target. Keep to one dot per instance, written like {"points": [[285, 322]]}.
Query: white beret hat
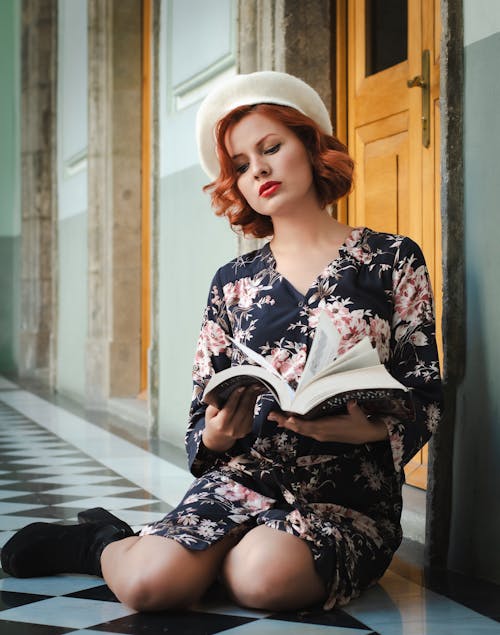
{"points": [[269, 87]]}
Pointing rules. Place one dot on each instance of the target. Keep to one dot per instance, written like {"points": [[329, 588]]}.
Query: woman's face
{"points": [[273, 167]]}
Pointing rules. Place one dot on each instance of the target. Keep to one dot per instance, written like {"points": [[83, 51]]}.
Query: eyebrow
{"points": [[260, 142]]}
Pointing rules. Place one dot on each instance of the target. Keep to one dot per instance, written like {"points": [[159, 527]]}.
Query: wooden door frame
{"points": [[440, 479]]}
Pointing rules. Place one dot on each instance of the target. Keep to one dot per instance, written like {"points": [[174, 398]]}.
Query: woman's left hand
{"points": [[353, 427]]}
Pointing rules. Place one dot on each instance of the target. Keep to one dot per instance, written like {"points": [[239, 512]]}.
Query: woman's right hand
{"points": [[232, 422]]}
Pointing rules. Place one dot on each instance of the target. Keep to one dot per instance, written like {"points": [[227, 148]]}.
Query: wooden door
{"points": [[392, 63]]}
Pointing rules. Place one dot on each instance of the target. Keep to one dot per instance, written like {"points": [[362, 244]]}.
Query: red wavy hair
{"points": [[331, 165]]}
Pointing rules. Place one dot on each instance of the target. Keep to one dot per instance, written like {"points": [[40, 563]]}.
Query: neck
{"points": [[306, 231]]}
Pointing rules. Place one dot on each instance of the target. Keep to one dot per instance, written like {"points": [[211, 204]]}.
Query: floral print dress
{"points": [[344, 500]]}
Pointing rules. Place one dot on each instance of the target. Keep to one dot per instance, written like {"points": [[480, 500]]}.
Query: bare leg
{"points": [[270, 569], [152, 573]]}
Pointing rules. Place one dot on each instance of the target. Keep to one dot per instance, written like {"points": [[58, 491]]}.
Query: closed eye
{"points": [[273, 149], [241, 169]]}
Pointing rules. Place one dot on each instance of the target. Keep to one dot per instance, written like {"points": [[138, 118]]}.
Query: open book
{"points": [[327, 383]]}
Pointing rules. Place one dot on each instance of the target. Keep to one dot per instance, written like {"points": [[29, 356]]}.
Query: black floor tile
{"points": [[23, 628], [23, 477], [29, 487], [479, 595], [337, 617], [43, 499], [185, 623], [11, 599], [136, 493], [58, 513], [102, 593], [158, 507]]}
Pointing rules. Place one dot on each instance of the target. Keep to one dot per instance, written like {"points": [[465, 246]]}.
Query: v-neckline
{"points": [[352, 238]]}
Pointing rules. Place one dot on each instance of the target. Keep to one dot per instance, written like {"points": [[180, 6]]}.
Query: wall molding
{"points": [[198, 86], [194, 88], [75, 164]]}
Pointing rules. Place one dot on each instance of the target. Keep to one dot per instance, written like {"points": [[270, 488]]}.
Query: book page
{"points": [[361, 355], [255, 357], [222, 384], [323, 350], [372, 377]]}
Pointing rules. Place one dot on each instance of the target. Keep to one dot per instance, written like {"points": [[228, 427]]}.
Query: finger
{"points": [[232, 403], [226, 414], [249, 398], [352, 407], [211, 412], [292, 424], [274, 415], [356, 412], [243, 415]]}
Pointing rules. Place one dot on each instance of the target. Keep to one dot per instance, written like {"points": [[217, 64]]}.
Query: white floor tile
{"points": [[16, 522], [4, 536], [5, 384], [278, 627], [68, 612], [137, 518], [87, 631], [12, 508], [377, 608], [396, 606], [55, 460], [473, 626], [88, 491], [75, 479], [64, 469], [113, 503], [51, 585]]}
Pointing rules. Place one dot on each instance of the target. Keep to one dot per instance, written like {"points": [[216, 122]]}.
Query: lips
{"points": [[268, 188]]}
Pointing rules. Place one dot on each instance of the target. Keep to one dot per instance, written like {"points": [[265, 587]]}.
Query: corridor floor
{"points": [[54, 463]]}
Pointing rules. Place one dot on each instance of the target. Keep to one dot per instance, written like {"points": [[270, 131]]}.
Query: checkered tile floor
{"points": [[53, 464]]}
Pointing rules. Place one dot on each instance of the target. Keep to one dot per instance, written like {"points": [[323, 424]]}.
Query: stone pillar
{"points": [[38, 191], [440, 480], [304, 43], [114, 172], [153, 370], [291, 36]]}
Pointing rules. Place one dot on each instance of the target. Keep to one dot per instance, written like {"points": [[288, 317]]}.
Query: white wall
{"points": [[72, 84], [72, 81], [481, 19], [197, 50]]}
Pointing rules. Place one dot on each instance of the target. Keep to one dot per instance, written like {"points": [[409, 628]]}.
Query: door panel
{"points": [[397, 171], [382, 150]]}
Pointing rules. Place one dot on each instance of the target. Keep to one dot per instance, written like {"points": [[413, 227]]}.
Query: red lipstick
{"points": [[268, 188]]}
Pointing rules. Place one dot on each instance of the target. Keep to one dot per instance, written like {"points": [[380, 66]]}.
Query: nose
{"points": [[260, 168]]}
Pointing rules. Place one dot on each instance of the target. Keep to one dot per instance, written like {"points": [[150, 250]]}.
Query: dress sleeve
{"points": [[213, 354], [414, 357]]}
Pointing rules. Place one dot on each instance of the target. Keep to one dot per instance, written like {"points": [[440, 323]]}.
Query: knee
{"points": [[257, 584], [256, 592], [143, 593]]}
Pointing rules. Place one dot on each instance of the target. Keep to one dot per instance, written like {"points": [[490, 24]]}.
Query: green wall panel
{"points": [[9, 304], [193, 243], [476, 512], [10, 214], [72, 306]]}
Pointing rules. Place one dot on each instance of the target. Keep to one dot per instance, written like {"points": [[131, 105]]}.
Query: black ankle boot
{"points": [[101, 515], [42, 549]]}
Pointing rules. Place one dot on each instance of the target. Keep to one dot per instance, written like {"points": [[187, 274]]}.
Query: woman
{"points": [[287, 512]]}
